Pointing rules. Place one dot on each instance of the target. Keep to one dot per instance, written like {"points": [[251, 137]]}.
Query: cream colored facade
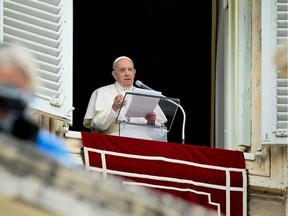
{"points": [[266, 164]]}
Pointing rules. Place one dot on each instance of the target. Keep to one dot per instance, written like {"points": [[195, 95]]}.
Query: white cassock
{"points": [[101, 118]]}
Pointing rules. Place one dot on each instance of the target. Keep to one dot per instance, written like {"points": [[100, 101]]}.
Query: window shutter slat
{"points": [[35, 12], [30, 19], [48, 7], [36, 29]]}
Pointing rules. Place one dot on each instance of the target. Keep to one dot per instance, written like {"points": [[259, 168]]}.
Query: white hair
{"points": [[21, 58]]}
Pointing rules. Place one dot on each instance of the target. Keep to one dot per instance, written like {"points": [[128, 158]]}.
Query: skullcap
{"points": [[119, 58]]}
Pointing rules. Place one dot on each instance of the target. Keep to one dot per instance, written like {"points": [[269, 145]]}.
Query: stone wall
{"points": [[32, 183]]}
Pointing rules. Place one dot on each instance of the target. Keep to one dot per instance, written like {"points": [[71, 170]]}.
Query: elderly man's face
{"points": [[124, 73], [11, 75]]}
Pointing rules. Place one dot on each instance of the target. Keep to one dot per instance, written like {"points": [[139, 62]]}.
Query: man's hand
{"points": [[118, 102], [150, 117]]}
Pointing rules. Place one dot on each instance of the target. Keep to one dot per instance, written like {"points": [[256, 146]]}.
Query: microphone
{"points": [[142, 85]]}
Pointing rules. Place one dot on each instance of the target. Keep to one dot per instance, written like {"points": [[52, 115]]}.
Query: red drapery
{"points": [[214, 178]]}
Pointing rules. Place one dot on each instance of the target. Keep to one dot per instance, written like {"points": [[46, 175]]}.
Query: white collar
{"points": [[120, 88]]}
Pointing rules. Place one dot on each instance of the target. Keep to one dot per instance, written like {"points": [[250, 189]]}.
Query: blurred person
{"points": [[281, 60], [17, 85], [106, 102]]}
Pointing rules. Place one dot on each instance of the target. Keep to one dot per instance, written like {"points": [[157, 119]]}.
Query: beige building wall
{"points": [[267, 173]]}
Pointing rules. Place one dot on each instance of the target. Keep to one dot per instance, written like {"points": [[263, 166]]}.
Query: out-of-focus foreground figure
{"points": [[33, 183], [17, 84], [281, 60]]}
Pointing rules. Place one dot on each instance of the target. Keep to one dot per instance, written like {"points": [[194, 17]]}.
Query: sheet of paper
{"points": [[142, 104]]}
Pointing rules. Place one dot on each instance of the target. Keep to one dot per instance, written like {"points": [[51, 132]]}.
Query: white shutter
{"points": [[274, 89], [282, 84], [45, 28]]}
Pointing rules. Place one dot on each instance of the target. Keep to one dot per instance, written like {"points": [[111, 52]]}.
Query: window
{"points": [[233, 75]]}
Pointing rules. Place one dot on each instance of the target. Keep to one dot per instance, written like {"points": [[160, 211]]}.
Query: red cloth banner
{"points": [[214, 178]]}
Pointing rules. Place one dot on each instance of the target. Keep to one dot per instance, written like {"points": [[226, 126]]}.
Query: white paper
{"points": [[141, 105]]}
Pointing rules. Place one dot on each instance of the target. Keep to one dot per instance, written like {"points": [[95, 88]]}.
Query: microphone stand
{"points": [[140, 84], [184, 118]]}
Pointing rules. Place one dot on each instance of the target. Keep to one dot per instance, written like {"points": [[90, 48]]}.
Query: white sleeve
{"points": [[103, 119]]}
